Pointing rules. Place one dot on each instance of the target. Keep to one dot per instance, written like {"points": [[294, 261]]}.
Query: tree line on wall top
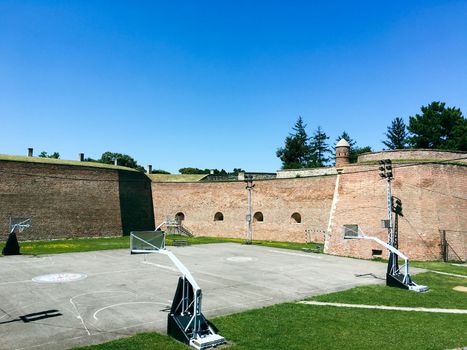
{"points": [[437, 127]]}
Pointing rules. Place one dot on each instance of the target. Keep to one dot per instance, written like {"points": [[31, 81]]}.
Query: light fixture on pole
{"points": [[249, 187]]}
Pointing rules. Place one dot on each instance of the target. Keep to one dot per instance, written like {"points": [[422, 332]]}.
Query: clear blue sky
{"points": [[219, 84]]}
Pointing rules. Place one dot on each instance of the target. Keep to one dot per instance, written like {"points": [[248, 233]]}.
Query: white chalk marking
{"points": [[160, 266], [313, 256], [382, 307], [129, 303]]}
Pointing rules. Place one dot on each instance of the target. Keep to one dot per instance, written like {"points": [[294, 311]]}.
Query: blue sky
{"points": [[219, 84]]}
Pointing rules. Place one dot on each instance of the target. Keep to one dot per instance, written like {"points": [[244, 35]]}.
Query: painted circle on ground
{"points": [[241, 259], [460, 289], [63, 277]]}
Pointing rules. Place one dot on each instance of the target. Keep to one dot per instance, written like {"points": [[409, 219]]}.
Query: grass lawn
{"points": [[298, 326], [440, 295], [104, 243], [456, 268]]}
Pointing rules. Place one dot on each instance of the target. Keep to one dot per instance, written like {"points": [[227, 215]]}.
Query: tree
{"points": [[54, 155], [438, 127], [122, 159], [236, 171], [347, 138], [159, 171], [193, 171], [396, 135], [296, 152], [319, 148]]}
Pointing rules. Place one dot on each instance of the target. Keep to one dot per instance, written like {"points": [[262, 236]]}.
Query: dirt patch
{"points": [[460, 289]]}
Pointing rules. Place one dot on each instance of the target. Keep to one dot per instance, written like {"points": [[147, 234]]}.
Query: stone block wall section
{"points": [[433, 199], [67, 201], [415, 154], [277, 200]]}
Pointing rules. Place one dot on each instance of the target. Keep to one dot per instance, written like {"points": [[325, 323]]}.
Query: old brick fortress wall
{"points": [[73, 201], [433, 199], [277, 200], [66, 200], [432, 196]]}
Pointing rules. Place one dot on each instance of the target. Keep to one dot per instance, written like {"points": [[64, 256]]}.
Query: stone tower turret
{"points": [[342, 153]]}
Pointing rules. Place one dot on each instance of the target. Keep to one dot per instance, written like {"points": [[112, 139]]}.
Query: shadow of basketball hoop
{"points": [[36, 316]]}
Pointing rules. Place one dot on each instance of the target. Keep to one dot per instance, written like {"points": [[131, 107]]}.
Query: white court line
{"points": [[296, 254], [448, 274], [90, 293], [128, 303], [382, 307], [13, 282], [161, 266]]}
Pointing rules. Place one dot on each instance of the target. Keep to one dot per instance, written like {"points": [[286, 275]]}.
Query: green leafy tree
{"points": [[319, 148], [236, 171], [396, 135], [190, 170], [296, 152], [122, 159], [54, 155], [438, 127], [159, 171]]}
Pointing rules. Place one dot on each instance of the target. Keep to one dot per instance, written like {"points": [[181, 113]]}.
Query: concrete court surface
{"points": [[120, 294]]}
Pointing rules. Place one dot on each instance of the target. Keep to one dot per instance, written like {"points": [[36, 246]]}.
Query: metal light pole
{"points": [[386, 172], [249, 218]]}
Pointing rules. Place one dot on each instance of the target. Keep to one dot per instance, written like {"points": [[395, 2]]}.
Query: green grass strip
{"points": [[440, 295], [105, 243]]}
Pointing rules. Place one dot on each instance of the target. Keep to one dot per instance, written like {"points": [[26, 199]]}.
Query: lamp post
{"points": [[385, 171], [249, 186]]}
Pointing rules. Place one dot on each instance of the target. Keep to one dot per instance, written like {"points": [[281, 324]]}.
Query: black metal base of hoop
{"points": [[179, 325], [12, 245]]}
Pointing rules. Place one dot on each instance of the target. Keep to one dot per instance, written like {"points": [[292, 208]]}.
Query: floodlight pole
{"points": [[249, 218], [386, 172]]}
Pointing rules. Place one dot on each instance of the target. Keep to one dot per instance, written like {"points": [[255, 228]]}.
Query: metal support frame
{"points": [[186, 321], [398, 276]]}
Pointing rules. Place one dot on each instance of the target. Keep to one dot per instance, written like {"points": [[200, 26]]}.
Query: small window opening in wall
{"points": [[179, 217], [376, 253], [350, 231], [296, 217], [258, 217], [218, 216]]}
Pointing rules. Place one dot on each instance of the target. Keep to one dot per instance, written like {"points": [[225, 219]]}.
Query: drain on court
{"points": [[59, 278]]}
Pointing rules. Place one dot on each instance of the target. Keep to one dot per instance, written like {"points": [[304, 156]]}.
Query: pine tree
{"points": [[396, 135], [319, 148], [438, 127], [296, 152]]}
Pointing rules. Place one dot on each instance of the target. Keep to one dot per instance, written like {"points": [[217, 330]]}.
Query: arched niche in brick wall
{"points": [[296, 218], [179, 216], [258, 217], [218, 216]]}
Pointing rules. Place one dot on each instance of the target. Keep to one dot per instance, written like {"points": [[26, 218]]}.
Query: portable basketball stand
{"points": [[185, 322], [12, 245], [395, 276]]}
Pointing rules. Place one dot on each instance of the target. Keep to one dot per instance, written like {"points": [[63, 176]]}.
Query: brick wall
{"points": [[413, 154], [276, 199], [433, 198], [72, 201]]}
